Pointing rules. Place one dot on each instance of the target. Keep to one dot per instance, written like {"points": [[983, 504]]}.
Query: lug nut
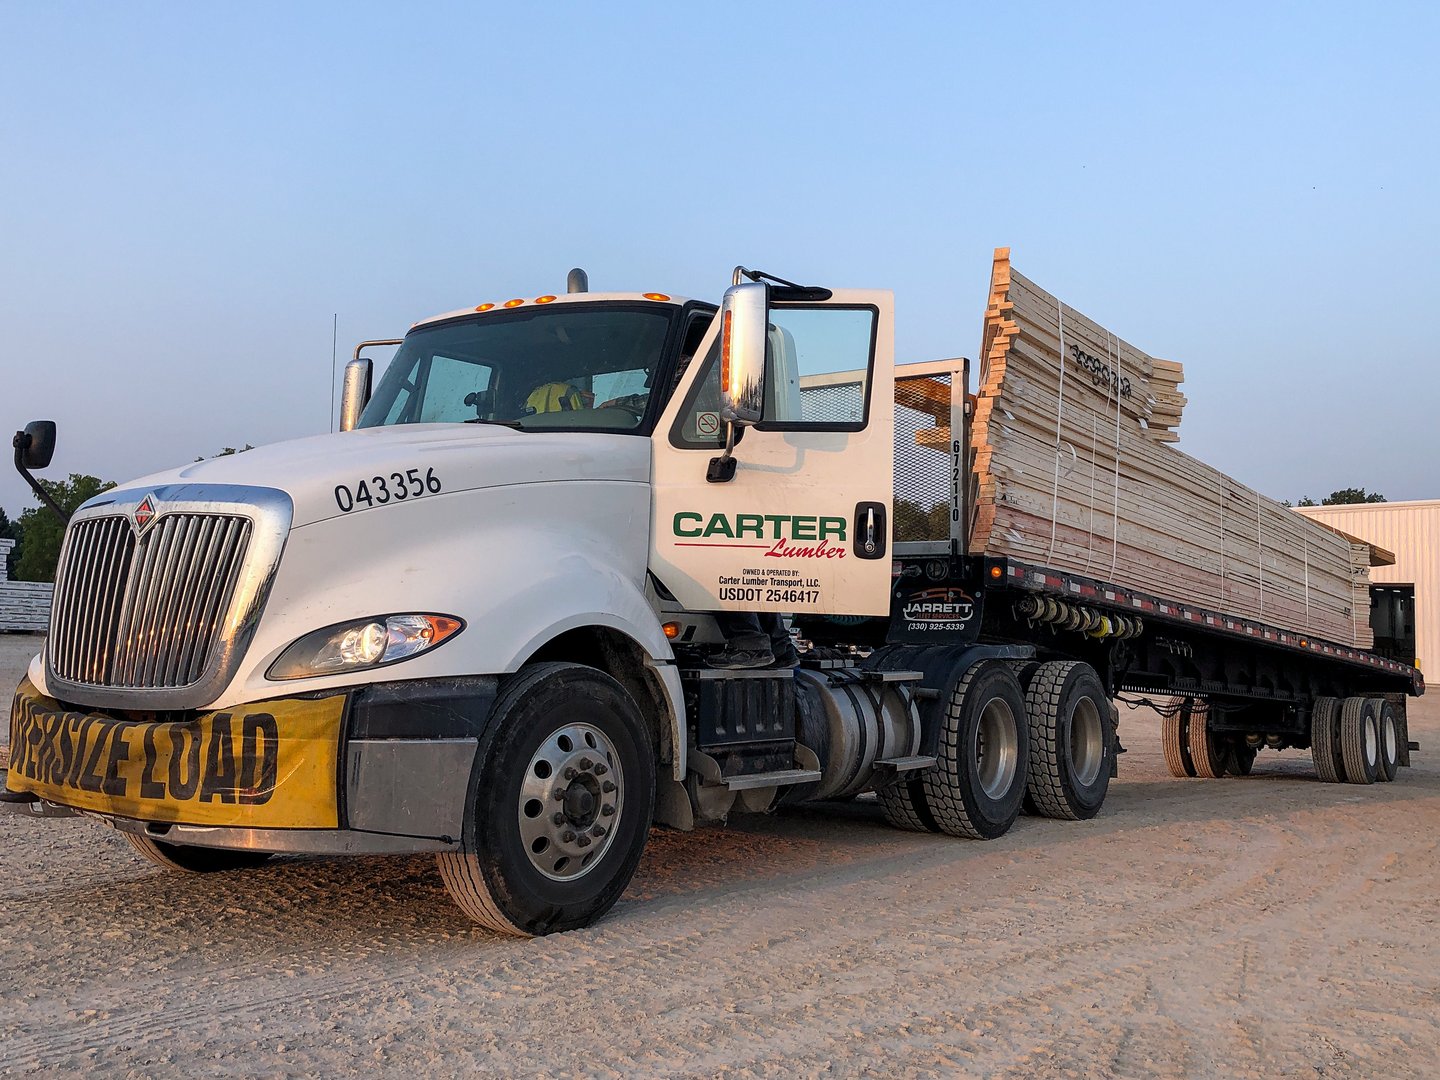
{"points": [[567, 837], [570, 774], [559, 793], [607, 810], [584, 841], [585, 763], [598, 830], [559, 818], [600, 770], [607, 787]]}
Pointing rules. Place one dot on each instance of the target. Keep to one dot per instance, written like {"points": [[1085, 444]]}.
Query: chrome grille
{"points": [[144, 614]]}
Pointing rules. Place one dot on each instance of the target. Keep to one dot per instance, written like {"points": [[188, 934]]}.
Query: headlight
{"points": [[355, 646]]}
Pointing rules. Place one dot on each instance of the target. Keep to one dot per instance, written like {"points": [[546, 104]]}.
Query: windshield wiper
{"points": [[502, 423]]}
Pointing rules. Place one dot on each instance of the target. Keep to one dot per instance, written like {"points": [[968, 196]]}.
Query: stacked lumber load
{"points": [[24, 605], [1071, 469]]}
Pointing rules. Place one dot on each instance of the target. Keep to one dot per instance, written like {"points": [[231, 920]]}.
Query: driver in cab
{"points": [[552, 397]]}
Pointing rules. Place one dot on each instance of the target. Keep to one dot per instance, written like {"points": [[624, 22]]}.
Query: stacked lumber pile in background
{"points": [[24, 605], [1071, 470]]}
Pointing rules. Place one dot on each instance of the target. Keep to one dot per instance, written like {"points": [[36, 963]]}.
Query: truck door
{"points": [[804, 523]]}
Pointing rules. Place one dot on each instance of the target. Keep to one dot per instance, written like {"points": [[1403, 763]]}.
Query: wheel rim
{"points": [[1392, 739], [997, 746], [1087, 742], [570, 802], [1372, 742]]}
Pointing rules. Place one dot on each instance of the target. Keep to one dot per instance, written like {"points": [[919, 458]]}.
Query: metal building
{"points": [[1404, 598]]}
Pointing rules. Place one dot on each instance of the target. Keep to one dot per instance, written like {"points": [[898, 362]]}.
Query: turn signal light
{"points": [[725, 353], [672, 630], [995, 572]]}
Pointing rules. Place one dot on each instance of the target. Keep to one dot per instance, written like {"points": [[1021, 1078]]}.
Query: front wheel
{"points": [[560, 804]]}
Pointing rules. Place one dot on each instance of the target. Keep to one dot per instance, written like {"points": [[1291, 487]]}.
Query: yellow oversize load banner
{"points": [[270, 765]]}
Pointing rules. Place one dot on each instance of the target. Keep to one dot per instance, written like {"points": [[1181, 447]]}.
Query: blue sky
{"points": [[189, 191]]}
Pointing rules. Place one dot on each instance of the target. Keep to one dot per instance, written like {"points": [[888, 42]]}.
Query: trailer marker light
{"points": [[996, 572], [544, 299], [672, 630], [655, 296], [514, 303], [484, 307]]}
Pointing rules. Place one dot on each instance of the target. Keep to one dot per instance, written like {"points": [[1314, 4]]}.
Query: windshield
{"points": [[576, 366]]}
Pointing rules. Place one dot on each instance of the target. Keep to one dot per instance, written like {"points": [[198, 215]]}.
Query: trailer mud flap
{"points": [[270, 764]]}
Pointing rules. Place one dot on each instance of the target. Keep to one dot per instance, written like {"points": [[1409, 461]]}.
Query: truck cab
{"points": [[460, 623]]}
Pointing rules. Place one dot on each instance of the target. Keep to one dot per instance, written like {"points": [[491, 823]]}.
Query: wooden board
{"points": [[24, 605], [1072, 468]]}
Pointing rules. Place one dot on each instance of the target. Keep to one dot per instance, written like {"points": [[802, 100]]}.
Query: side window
{"points": [[698, 426], [818, 367], [447, 384]]}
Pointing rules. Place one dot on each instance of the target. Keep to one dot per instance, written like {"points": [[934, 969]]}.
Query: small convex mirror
{"points": [[742, 353]]}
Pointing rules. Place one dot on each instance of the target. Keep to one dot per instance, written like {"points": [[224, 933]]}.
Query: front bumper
{"points": [[266, 776]]}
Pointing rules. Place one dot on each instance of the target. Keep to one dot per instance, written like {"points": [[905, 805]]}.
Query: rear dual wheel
{"points": [[1175, 738], [1072, 740], [977, 784], [1360, 739], [1388, 719]]}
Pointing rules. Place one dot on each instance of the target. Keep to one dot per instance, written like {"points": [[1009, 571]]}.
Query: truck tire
{"points": [[903, 804], [560, 804], [1241, 757], [1389, 744], [1175, 738], [1072, 741], [1205, 751], [1359, 740], [976, 786], [1325, 740], [184, 859]]}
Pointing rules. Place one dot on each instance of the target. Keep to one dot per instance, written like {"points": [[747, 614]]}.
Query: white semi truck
{"points": [[476, 621]]}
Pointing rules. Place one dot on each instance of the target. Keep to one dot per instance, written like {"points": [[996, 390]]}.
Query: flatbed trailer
{"points": [[481, 620]]}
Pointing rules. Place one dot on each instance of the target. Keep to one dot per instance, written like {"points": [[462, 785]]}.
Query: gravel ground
{"points": [[1257, 927]]}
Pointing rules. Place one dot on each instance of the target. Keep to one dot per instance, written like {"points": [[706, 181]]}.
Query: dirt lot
{"points": [[1256, 927]]}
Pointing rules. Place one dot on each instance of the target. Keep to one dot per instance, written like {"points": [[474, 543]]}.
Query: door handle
{"points": [[871, 531]]}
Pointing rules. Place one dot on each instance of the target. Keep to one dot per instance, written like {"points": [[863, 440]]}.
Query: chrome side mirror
{"points": [[742, 353], [355, 394]]}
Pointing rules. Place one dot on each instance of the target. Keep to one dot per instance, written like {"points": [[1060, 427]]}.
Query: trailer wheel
{"points": [[1389, 742], [1241, 758], [1359, 740], [903, 804], [184, 859], [1325, 740], [1072, 742], [976, 786], [561, 799], [1205, 752], [1175, 737]]}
